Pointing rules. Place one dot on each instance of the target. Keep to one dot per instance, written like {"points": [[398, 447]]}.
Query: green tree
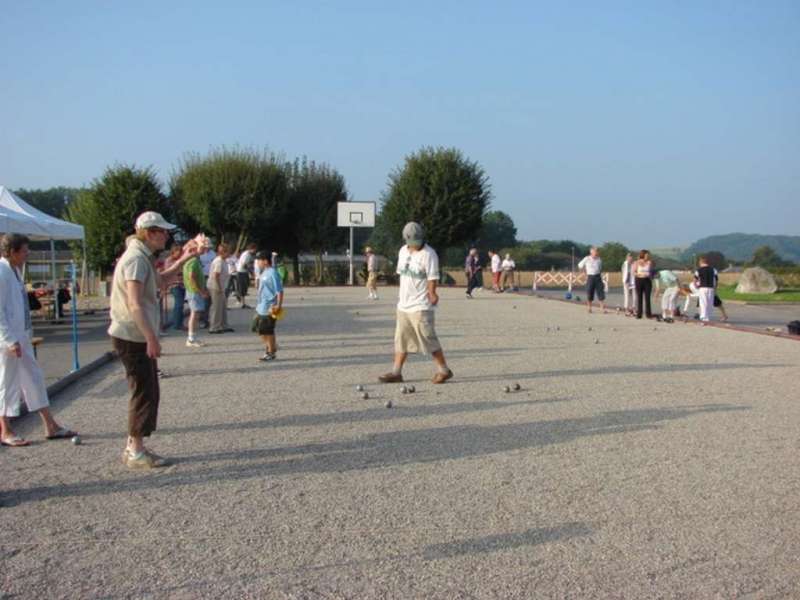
{"points": [[765, 256], [310, 224], [109, 207], [440, 189], [53, 201], [234, 194], [613, 255], [498, 231]]}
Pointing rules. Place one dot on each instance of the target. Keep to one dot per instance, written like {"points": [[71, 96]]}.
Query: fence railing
{"points": [[559, 278]]}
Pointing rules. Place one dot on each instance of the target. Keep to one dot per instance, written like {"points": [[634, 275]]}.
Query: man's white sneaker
{"points": [[194, 344]]}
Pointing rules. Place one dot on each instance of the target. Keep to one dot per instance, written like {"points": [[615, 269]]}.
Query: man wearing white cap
{"points": [[134, 330], [418, 267]]}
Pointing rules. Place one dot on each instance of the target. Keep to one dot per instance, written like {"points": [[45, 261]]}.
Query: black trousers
{"points": [[473, 282], [644, 287]]}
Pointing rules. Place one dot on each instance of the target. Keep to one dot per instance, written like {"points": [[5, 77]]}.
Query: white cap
{"points": [[149, 219]]}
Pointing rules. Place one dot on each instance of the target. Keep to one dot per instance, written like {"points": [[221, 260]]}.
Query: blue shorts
{"points": [[196, 302]]}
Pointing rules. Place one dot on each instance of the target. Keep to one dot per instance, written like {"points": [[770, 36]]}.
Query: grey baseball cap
{"points": [[413, 234]]}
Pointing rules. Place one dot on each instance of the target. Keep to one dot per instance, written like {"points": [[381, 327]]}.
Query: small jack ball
{"points": [[506, 389], [517, 387], [359, 388], [365, 396], [76, 440], [388, 404]]}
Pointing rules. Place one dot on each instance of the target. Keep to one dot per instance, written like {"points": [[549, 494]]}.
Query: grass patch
{"points": [[726, 292]]}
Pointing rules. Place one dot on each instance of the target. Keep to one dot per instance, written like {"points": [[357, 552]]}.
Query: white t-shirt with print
{"points": [[495, 263], [415, 270]]}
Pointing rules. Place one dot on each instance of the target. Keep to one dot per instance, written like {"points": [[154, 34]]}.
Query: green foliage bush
{"points": [[108, 210]]}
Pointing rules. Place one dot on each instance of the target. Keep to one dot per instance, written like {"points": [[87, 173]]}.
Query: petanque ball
{"points": [[411, 389], [590, 328], [403, 390], [515, 306], [517, 387], [388, 404], [596, 341], [567, 296], [365, 396], [359, 388], [577, 298], [507, 389], [76, 440]]}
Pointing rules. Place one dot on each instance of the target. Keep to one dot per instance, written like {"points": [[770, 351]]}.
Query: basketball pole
{"points": [[352, 279]]}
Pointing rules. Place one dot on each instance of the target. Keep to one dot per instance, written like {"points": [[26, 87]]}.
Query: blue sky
{"points": [[651, 123]]}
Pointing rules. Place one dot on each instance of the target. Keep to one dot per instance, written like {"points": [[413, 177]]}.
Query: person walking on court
{"points": [[593, 265], [418, 268], [372, 273], [496, 268], [643, 278], [21, 377], [508, 266], [134, 330], [472, 268], [243, 268], [269, 305]]}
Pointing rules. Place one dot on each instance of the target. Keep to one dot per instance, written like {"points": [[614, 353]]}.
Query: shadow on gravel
{"points": [[621, 370], [375, 451], [333, 360], [351, 416], [505, 541]]}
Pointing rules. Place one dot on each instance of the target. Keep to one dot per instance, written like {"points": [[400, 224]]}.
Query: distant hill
{"points": [[740, 246], [672, 252]]}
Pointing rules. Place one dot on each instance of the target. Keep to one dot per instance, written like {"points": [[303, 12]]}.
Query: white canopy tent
{"points": [[17, 216]]}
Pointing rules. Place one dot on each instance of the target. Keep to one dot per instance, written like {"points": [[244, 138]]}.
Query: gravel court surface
{"points": [[659, 462]]}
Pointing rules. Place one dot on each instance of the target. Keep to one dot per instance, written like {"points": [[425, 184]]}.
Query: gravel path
{"points": [[638, 461]]}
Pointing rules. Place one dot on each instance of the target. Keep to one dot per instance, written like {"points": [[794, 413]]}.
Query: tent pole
{"points": [[56, 307], [84, 275]]}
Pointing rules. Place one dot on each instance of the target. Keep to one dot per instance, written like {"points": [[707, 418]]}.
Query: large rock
{"points": [[756, 281]]}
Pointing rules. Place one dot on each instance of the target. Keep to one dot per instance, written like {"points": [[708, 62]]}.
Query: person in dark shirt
{"points": [[706, 280]]}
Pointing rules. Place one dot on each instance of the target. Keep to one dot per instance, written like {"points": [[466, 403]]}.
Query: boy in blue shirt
{"points": [[270, 300]]}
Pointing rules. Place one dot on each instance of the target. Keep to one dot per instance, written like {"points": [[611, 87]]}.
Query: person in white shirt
{"points": [[593, 265], [508, 265], [495, 265], [628, 285], [418, 267], [20, 374], [218, 276], [372, 273], [243, 267], [230, 263], [205, 261]]}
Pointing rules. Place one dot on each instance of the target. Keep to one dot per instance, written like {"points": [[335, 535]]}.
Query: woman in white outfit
{"points": [[628, 285], [20, 374]]}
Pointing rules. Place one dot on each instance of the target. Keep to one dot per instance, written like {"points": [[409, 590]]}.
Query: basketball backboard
{"points": [[355, 214]]}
